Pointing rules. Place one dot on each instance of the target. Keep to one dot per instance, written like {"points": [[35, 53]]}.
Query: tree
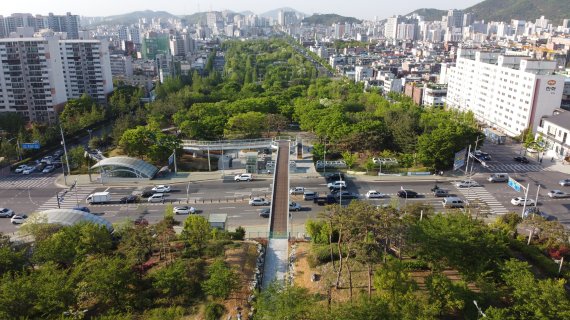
{"points": [[136, 142], [443, 294], [76, 157], [11, 258], [196, 231], [349, 158], [246, 125], [279, 302], [180, 279], [222, 280]]}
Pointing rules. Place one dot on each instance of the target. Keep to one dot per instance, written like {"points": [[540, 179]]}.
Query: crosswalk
{"points": [[68, 199], [26, 181], [515, 167], [474, 195]]}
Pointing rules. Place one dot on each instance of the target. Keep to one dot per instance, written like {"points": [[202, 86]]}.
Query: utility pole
{"points": [[64, 149]]}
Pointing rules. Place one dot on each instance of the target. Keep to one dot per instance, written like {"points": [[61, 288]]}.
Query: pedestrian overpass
{"points": [[197, 145]]}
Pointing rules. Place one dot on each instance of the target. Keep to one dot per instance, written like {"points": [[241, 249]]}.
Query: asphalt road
{"points": [[232, 198]]}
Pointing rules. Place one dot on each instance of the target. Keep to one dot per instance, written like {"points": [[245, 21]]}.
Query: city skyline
{"points": [[359, 9]]}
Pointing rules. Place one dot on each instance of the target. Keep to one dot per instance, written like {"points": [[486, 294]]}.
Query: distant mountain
{"points": [[246, 13], [329, 19], [429, 14], [134, 17], [505, 10], [275, 13], [196, 18]]}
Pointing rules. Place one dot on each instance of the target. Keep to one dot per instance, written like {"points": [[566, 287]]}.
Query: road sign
{"points": [[515, 185], [32, 145], [171, 159], [459, 160]]}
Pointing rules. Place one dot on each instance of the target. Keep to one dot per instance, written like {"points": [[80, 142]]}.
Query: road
{"points": [[26, 194]]}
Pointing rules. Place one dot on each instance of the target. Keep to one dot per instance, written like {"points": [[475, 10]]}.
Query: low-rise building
{"points": [[554, 130]]}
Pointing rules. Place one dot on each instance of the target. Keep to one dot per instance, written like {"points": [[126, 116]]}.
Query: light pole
{"points": [[89, 131], [479, 311], [65, 151]]}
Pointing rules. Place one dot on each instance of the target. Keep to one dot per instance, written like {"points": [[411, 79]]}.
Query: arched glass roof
{"points": [[140, 168], [68, 217]]}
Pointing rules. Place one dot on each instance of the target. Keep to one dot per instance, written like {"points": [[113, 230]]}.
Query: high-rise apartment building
{"points": [[86, 68], [510, 93], [39, 74], [391, 27], [31, 78], [58, 23]]}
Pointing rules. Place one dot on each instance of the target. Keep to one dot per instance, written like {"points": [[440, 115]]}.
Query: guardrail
{"points": [[226, 144]]}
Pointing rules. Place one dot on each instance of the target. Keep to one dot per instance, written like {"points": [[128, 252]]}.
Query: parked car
{"points": [[521, 159], [84, 209], [440, 193], [519, 201], [157, 197], [341, 184], [294, 206], [373, 194], [29, 170], [564, 183], [297, 190], [265, 212], [259, 202], [130, 199], [18, 219], [21, 168], [184, 210], [161, 189], [48, 169], [557, 194], [243, 177], [467, 184], [407, 194], [6, 213], [309, 195]]}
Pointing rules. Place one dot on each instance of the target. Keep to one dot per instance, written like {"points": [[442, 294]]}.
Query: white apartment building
{"points": [[121, 66], [86, 68], [31, 78], [39, 74], [510, 93]]}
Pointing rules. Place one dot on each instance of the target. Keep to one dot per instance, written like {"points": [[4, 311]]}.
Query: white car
{"points": [[157, 197], [259, 202], [161, 189], [29, 170], [557, 194], [519, 201], [337, 185], [21, 168], [565, 182], [373, 194], [243, 177], [184, 210], [297, 190], [48, 169], [294, 206], [18, 219], [467, 184], [6, 213]]}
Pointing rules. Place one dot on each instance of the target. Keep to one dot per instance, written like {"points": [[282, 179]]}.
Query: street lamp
{"points": [[479, 311]]}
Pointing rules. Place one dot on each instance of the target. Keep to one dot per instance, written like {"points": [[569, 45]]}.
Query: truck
{"points": [[99, 197]]}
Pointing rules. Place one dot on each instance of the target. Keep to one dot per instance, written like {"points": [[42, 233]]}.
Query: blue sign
{"points": [[459, 160], [33, 145], [171, 159], [514, 184]]}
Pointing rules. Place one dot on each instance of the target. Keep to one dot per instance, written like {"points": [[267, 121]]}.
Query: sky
{"points": [[362, 9]]}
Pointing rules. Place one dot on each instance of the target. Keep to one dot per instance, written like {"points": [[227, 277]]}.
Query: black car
{"points": [[130, 199], [264, 213], [521, 159], [334, 176], [346, 195], [440, 193], [407, 194], [321, 201], [534, 210], [147, 193]]}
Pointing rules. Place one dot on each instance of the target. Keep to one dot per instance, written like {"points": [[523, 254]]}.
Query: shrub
{"points": [[239, 234], [320, 254], [536, 257], [214, 311], [412, 265]]}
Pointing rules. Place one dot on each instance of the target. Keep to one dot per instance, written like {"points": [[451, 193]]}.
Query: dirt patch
{"points": [[187, 162], [243, 259], [303, 272]]}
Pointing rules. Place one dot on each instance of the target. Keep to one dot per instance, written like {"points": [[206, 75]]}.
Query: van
{"points": [[498, 177], [309, 195], [452, 202]]}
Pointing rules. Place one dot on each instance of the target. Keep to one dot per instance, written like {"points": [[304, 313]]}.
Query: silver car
{"points": [[564, 183]]}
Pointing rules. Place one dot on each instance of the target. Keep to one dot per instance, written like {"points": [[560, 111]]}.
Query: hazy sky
{"points": [[364, 9]]}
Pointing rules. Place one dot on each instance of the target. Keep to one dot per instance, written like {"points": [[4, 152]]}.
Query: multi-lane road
{"points": [[26, 194]]}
